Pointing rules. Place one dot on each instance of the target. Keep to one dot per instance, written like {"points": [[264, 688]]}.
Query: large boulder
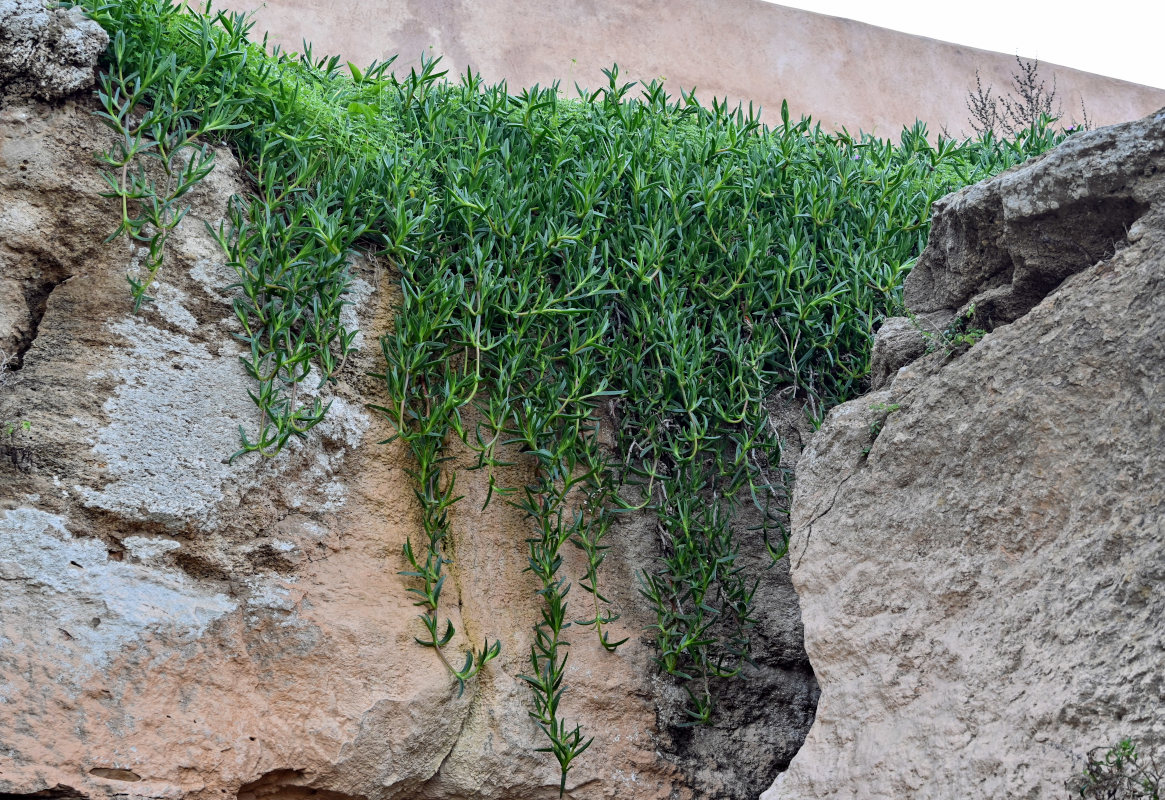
{"points": [[980, 547], [174, 624], [1002, 245]]}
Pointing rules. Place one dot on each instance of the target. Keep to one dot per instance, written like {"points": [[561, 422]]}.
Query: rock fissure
{"points": [[809, 524], [440, 773], [36, 296]]}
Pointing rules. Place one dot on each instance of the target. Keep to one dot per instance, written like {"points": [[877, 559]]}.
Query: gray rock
{"points": [[901, 340], [979, 549], [1003, 244], [14, 319], [46, 53]]}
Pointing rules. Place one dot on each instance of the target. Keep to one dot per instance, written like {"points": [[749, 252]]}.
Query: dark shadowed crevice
{"points": [[58, 792], [1049, 249], [763, 716], [37, 291], [115, 774], [289, 784], [763, 720], [199, 566]]}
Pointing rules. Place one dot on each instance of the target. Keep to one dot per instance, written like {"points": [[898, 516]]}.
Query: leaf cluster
{"points": [[176, 82], [159, 123]]}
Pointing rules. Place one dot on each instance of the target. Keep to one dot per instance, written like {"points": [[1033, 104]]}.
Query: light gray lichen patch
{"points": [[64, 602], [173, 424], [168, 302], [359, 290], [345, 422], [148, 549]]}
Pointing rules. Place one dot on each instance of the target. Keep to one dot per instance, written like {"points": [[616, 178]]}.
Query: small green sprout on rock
{"points": [[10, 428], [1118, 773], [958, 337], [883, 410]]}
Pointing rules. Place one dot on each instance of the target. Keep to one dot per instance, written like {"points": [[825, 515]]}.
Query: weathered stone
{"points": [[15, 320], [901, 340], [46, 52], [980, 548], [1003, 244], [177, 625]]}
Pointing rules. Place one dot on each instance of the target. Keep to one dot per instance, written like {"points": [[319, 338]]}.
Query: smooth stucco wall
{"points": [[844, 73]]}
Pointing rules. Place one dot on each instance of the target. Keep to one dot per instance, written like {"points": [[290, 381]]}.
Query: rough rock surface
{"points": [[173, 625], [980, 548], [901, 340], [1003, 244], [46, 52]]}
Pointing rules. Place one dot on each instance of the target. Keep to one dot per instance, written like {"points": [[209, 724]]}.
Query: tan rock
{"points": [[901, 340], [176, 625], [980, 548]]}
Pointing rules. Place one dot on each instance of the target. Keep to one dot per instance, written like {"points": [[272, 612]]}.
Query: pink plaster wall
{"points": [[843, 73]]}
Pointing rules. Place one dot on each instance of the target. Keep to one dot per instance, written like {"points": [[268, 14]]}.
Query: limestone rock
{"points": [[901, 340], [46, 52], [980, 548], [1003, 244], [177, 625]]}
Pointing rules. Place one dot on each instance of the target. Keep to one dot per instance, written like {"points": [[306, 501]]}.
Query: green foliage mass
{"points": [[620, 259]]}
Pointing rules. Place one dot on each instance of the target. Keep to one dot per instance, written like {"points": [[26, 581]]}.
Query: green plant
{"points": [[966, 339], [160, 152], [623, 259], [176, 79], [959, 336], [956, 338], [425, 436], [12, 426], [884, 410], [1119, 772], [14, 444]]}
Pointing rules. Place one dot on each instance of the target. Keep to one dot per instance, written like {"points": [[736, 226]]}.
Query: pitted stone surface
{"points": [[46, 52]]}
